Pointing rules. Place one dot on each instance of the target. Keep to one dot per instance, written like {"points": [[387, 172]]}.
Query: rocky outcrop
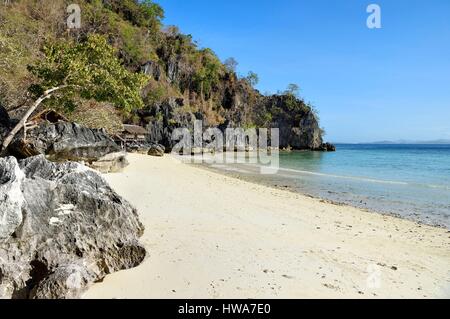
{"points": [[110, 163], [240, 106], [307, 135], [327, 147], [64, 141], [152, 69], [61, 229], [11, 197], [299, 127], [173, 116]]}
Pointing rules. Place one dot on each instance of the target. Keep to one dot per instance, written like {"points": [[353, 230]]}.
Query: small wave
{"points": [[363, 179], [430, 186]]}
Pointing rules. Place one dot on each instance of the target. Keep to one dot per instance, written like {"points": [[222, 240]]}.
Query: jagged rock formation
{"points": [[152, 69], [62, 228], [11, 197], [67, 141], [231, 102], [299, 127], [64, 141], [172, 116], [327, 147]]}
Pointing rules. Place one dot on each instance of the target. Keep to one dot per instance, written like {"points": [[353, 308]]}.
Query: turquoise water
{"points": [[411, 181]]}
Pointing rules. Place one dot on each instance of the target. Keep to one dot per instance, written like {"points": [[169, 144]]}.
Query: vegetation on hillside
{"points": [[88, 70], [34, 40]]}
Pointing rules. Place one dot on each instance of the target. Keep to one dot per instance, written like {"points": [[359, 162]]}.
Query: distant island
{"points": [[432, 142]]}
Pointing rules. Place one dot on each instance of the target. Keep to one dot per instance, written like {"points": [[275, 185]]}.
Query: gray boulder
{"points": [[111, 163], [157, 150], [64, 141], [327, 147], [138, 147], [64, 229]]}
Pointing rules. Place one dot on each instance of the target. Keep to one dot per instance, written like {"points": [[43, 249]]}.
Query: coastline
{"points": [[321, 197], [209, 235]]}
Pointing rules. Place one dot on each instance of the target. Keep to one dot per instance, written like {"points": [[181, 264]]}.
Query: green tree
{"points": [[152, 13], [89, 70], [145, 13]]}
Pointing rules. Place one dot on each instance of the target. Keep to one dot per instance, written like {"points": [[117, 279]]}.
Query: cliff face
{"points": [[232, 103]]}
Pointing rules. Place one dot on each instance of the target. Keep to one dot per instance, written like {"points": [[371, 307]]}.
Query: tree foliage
{"points": [[89, 69], [208, 75], [145, 13]]}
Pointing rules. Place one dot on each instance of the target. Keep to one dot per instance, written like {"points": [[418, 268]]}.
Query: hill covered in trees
{"points": [[177, 81]]}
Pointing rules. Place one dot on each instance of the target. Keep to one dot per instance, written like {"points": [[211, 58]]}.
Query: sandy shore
{"points": [[212, 236]]}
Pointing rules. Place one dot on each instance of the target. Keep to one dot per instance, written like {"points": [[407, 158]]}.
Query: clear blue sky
{"points": [[386, 84]]}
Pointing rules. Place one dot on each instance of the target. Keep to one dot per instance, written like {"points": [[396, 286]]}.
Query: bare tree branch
{"points": [[47, 94]]}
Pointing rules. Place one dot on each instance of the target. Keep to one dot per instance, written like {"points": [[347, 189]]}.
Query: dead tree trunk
{"points": [[47, 94]]}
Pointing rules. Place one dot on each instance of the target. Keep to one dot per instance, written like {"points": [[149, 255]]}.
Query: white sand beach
{"points": [[212, 236]]}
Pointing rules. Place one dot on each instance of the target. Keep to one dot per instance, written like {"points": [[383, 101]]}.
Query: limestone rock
{"points": [[152, 69], [327, 147], [67, 229], [11, 197], [111, 163], [65, 141]]}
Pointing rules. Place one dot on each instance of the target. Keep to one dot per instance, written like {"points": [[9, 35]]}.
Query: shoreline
{"points": [[322, 199], [251, 177], [209, 235]]}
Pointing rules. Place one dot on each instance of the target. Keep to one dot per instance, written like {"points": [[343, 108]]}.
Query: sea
{"points": [[408, 181]]}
